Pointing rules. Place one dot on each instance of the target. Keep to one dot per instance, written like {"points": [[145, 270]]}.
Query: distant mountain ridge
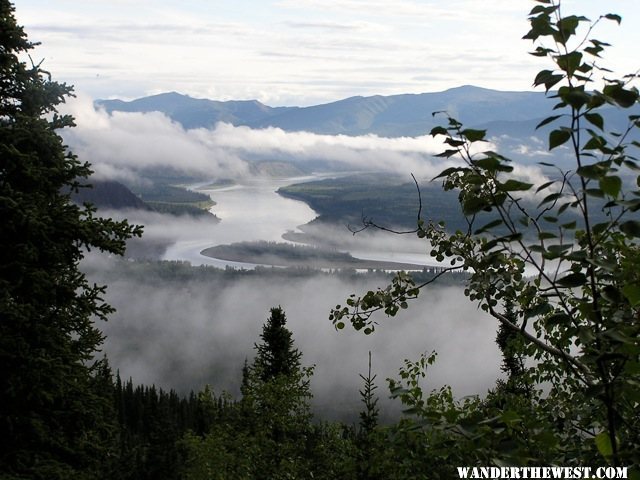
{"points": [[395, 115], [389, 116], [196, 112]]}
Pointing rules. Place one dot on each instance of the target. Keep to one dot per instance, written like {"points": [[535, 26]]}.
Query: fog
{"points": [[187, 333], [198, 330], [121, 145]]}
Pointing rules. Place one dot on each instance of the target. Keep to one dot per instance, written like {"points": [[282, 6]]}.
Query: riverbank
{"points": [[303, 256]]}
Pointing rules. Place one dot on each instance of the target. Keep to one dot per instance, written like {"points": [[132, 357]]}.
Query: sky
{"points": [[299, 52]]}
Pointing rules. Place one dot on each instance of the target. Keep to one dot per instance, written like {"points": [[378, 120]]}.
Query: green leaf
{"points": [[473, 205], [546, 235], [603, 442], [621, 96], [594, 143], [594, 171], [594, 192], [631, 228], [595, 51], [545, 185], [550, 198], [514, 185], [568, 25], [510, 416], [558, 318], [575, 97], [542, 9], [569, 62], [473, 135], [438, 131], [573, 280], [453, 142], [548, 78], [558, 137], [493, 163], [548, 120], [539, 309], [611, 185], [595, 119], [541, 52], [618, 336], [489, 226], [632, 292], [447, 153], [614, 17], [447, 171]]}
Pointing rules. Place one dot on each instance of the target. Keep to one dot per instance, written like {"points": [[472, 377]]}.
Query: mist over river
{"points": [[197, 327], [250, 211], [254, 211]]}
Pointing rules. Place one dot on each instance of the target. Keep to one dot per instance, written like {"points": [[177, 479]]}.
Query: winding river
{"points": [[253, 211]]}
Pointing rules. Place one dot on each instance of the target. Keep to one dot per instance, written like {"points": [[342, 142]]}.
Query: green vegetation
{"points": [[576, 317], [569, 333], [271, 435], [174, 200], [160, 192], [55, 417], [297, 255], [384, 199], [196, 210]]}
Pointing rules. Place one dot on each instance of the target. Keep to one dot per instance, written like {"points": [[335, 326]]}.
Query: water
{"points": [[254, 211], [249, 212]]}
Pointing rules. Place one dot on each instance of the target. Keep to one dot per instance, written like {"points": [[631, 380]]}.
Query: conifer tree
{"points": [[51, 416], [276, 394], [276, 354]]}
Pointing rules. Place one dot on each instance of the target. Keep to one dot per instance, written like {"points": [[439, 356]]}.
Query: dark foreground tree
{"points": [[276, 397], [276, 355], [52, 422]]}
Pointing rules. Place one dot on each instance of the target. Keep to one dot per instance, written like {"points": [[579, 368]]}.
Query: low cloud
{"points": [[202, 330], [121, 145]]}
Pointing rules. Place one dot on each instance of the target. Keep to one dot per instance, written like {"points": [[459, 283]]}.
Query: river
{"points": [[254, 211], [251, 211]]}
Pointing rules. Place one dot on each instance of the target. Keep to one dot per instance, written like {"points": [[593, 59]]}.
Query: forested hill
{"points": [[109, 194]]}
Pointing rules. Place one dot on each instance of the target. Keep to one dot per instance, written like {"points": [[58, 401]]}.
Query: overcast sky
{"points": [[298, 52]]}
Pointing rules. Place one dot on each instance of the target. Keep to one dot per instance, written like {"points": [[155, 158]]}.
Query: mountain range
{"points": [[391, 116], [509, 117]]}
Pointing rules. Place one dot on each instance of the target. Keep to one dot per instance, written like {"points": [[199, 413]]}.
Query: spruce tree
{"points": [[276, 354], [51, 416], [275, 402]]}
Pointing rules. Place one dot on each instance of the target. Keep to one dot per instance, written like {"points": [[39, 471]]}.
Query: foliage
{"points": [[385, 199], [275, 397], [268, 433], [53, 417], [571, 281]]}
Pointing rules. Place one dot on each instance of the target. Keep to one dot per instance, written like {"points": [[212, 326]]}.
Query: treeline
{"points": [[269, 432], [182, 272]]}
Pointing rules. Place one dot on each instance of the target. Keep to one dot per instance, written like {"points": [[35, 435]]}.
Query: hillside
{"points": [[110, 195]]}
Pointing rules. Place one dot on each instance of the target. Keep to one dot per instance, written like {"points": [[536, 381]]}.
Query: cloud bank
{"points": [[121, 145], [202, 332]]}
